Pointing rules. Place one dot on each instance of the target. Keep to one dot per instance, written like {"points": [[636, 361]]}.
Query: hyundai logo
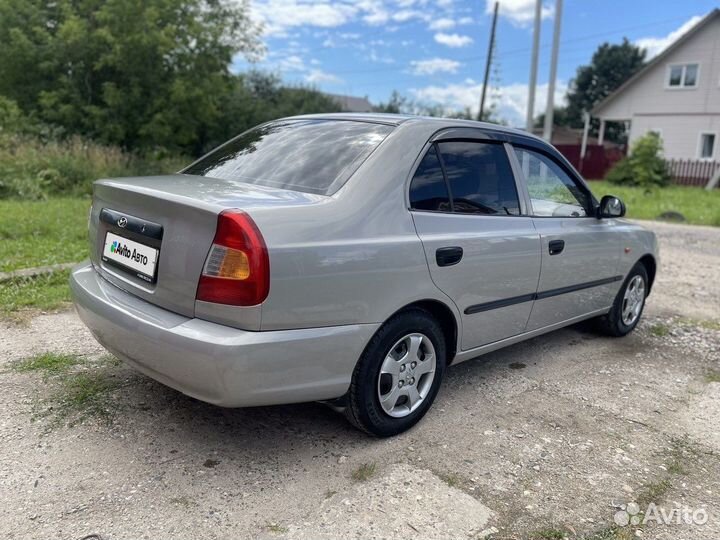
{"points": [[122, 222]]}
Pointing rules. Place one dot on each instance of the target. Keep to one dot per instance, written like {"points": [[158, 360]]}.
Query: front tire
{"points": [[629, 304], [398, 375]]}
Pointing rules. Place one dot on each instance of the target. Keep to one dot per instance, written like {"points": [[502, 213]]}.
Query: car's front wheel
{"points": [[398, 375], [629, 303]]}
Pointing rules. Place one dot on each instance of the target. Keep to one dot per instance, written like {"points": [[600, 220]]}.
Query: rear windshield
{"points": [[314, 156]]}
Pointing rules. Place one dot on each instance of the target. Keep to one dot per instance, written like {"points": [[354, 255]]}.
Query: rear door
{"points": [[579, 252], [482, 251]]}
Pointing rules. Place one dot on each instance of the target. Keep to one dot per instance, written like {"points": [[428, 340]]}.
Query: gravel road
{"points": [[545, 439]]}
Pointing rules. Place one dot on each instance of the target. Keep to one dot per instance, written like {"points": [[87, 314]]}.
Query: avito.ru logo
{"points": [[122, 249]]}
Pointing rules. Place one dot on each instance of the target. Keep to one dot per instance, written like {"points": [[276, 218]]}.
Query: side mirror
{"points": [[610, 207]]}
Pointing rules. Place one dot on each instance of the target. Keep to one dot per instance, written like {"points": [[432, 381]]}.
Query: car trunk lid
{"points": [[172, 219]]}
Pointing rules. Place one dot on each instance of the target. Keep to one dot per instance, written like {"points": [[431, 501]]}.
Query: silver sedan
{"points": [[350, 259]]}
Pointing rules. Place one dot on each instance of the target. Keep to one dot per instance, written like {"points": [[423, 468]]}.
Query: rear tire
{"points": [[398, 375], [629, 304]]}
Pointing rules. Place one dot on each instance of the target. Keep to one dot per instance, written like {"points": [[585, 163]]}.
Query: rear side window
{"points": [[480, 178], [314, 156], [428, 190]]}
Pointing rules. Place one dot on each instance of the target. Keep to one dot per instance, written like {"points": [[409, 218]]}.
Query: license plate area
{"points": [[131, 245]]}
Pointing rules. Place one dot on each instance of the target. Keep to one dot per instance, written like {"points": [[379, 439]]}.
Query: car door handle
{"points": [[556, 246], [447, 256]]}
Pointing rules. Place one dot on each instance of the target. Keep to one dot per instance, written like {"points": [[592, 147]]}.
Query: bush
{"points": [[31, 168], [644, 167]]}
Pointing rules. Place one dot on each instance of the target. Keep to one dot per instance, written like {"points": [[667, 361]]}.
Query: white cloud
{"points": [[656, 45], [453, 40], [318, 76], [374, 11], [443, 23], [510, 100], [279, 15], [518, 12], [291, 63], [405, 15], [434, 65]]}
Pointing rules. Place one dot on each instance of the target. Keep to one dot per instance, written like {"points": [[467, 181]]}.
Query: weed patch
{"points": [[47, 363], [364, 472]]}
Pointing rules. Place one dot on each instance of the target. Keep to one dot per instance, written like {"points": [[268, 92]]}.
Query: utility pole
{"points": [[550, 109], [534, 67], [491, 46]]}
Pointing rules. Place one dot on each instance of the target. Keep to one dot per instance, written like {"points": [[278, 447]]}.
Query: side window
{"points": [[428, 190], [480, 178], [707, 145], [552, 191]]}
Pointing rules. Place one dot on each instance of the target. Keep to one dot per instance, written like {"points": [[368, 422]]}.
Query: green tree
{"points": [[256, 97], [402, 105], [560, 118], [644, 167], [610, 67], [137, 73], [396, 104]]}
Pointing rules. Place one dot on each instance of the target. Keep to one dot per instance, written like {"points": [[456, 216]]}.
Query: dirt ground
{"points": [[545, 439]]}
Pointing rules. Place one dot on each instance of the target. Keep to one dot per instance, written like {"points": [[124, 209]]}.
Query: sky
{"points": [[434, 52]]}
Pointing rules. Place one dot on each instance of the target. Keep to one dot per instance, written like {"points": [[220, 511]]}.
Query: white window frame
{"points": [[700, 145], [682, 85]]}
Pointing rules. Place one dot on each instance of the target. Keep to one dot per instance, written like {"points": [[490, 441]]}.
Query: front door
{"points": [[580, 253], [481, 251]]}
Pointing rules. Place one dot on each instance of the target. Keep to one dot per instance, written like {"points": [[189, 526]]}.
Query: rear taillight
{"points": [[237, 268]]}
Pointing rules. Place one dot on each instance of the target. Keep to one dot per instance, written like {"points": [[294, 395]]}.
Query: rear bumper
{"points": [[217, 363]]}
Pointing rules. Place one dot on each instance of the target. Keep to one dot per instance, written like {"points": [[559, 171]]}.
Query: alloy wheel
{"points": [[633, 300]]}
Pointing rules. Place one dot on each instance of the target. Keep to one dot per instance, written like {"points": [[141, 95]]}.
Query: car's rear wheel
{"points": [[398, 375], [629, 303]]}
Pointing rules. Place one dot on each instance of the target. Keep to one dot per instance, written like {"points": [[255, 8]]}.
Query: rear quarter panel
{"points": [[355, 258]]}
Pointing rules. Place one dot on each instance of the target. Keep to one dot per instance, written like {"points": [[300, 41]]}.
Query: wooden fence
{"points": [[692, 172], [598, 159]]}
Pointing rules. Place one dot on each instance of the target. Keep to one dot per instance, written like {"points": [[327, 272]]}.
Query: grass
{"points": [[79, 390], [364, 472], [653, 492], [659, 330], [45, 293], [548, 534], [713, 377], [453, 480], [707, 324], [612, 533], [275, 528], [699, 207], [34, 168], [41, 233], [47, 363], [184, 501], [83, 396]]}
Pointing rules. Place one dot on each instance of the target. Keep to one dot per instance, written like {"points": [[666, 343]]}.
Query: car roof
{"points": [[397, 119]]}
